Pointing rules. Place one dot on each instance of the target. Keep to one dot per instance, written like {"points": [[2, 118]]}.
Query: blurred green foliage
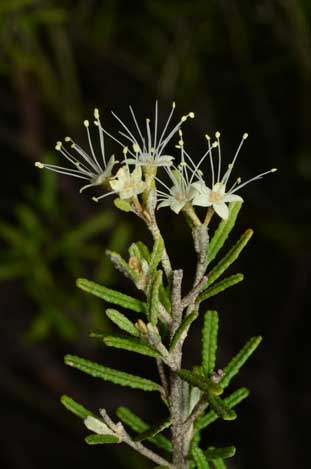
{"points": [[47, 250]]}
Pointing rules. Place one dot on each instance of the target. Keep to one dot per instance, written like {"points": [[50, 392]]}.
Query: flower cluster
{"points": [[143, 153]]}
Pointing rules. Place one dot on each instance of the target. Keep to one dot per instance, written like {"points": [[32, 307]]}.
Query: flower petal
{"points": [[221, 209], [232, 198]]}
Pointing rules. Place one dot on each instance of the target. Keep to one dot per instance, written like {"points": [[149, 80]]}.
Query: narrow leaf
{"points": [[122, 322], [238, 360], [153, 431], [219, 464], [109, 374], [229, 258], [209, 341], [101, 439], [199, 457], [156, 255], [221, 286], [133, 345], [139, 426], [144, 250], [112, 296], [223, 231], [220, 453], [76, 408], [154, 298], [164, 298], [200, 382], [182, 328], [122, 266], [222, 410], [231, 401]]}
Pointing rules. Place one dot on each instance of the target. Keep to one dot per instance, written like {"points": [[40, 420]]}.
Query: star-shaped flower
{"points": [[218, 195], [86, 166], [127, 184], [147, 146]]}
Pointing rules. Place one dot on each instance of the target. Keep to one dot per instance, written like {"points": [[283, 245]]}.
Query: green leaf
{"points": [[153, 431], [156, 255], [231, 401], [76, 408], [182, 328], [165, 298], [200, 382], [122, 322], [122, 266], [154, 298], [112, 296], [161, 467], [123, 205], [222, 410], [101, 439], [144, 251], [220, 286], [139, 426], [133, 345], [223, 231], [220, 453], [238, 360], [219, 464], [199, 457], [209, 341], [229, 258], [109, 374]]}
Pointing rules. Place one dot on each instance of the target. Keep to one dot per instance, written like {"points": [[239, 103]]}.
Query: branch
{"points": [[192, 295], [119, 429], [197, 410]]}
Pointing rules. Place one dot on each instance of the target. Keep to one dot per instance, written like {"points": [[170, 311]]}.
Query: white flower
{"points": [[218, 196], [127, 184], [183, 189], [86, 165], [146, 147]]}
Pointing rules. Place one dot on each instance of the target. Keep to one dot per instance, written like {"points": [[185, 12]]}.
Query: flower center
{"points": [[215, 196]]}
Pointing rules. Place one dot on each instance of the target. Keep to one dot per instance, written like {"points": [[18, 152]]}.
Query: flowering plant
{"points": [[146, 180]]}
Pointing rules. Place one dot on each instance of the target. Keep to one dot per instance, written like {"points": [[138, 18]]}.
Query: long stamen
{"points": [[86, 125], [259, 176], [217, 135], [101, 134], [73, 160], [138, 128], [230, 168], [163, 143], [208, 138], [118, 141], [148, 135], [96, 199], [60, 170], [155, 124], [208, 152]]}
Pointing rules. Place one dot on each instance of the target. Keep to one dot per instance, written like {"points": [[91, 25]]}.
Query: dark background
{"points": [[241, 66]]}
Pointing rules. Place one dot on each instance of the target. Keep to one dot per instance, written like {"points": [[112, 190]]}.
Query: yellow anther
{"points": [[95, 199], [38, 164], [96, 113], [58, 146], [136, 148], [273, 170], [207, 137], [245, 136], [191, 115], [173, 104], [215, 144], [217, 134], [125, 150]]}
